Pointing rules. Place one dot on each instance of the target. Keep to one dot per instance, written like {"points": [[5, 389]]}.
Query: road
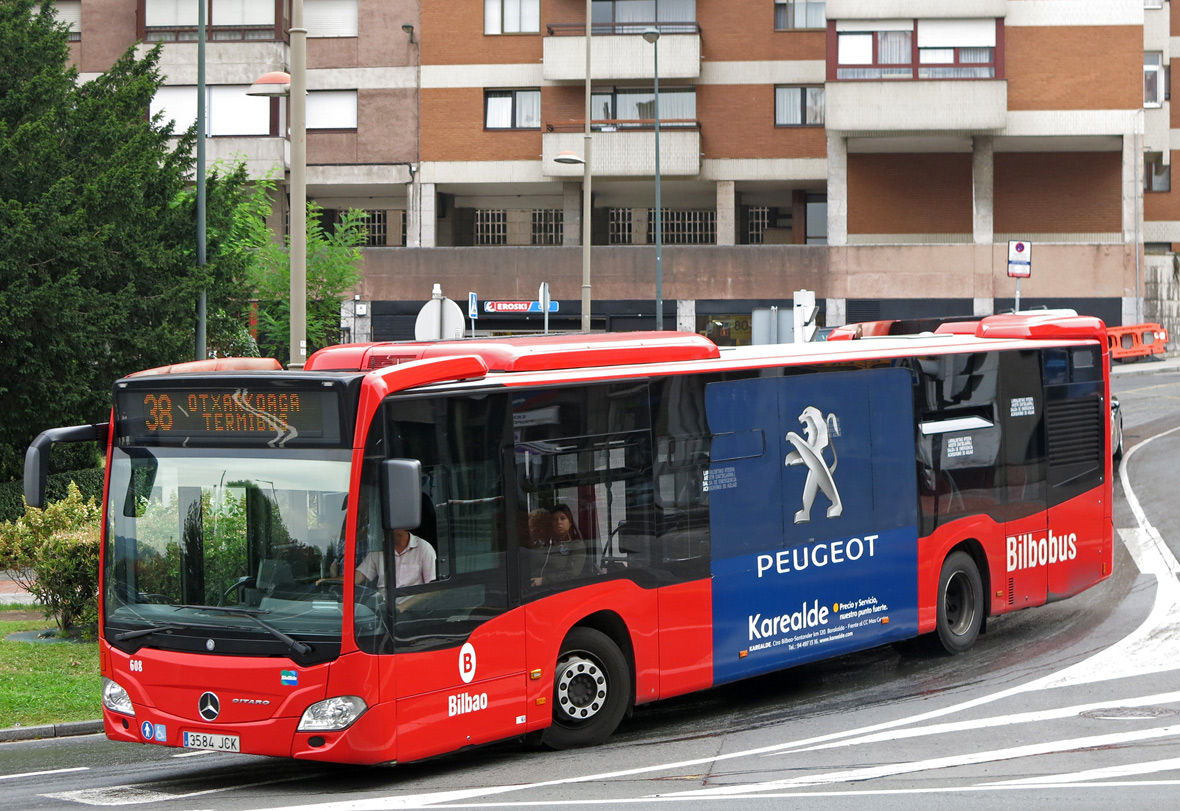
{"points": [[1074, 705]]}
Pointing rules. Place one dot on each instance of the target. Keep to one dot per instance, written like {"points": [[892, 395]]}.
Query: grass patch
{"points": [[42, 682]]}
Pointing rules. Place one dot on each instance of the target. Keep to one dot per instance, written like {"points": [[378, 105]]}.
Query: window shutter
{"points": [[330, 18], [956, 33], [70, 13], [331, 110]]}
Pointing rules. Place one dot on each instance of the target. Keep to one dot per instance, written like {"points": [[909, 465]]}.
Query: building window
{"points": [[376, 223], [69, 12], [1153, 79], [757, 221], [946, 49], [330, 18], [635, 16], [228, 110], [619, 226], [547, 226], [176, 20], [491, 226], [1156, 176], [681, 227], [512, 109], [511, 16], [789, 14], [635, 108], [816, 219], [331, 110], [798, 106]]}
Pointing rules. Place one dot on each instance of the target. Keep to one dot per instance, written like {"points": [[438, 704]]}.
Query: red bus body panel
{"points": [[422, 704]]}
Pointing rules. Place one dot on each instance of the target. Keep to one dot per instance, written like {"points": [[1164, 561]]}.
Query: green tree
{"points": [[332, 258], [97, 275]]}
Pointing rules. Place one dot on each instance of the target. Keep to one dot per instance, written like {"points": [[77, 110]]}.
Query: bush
{"points": [[12, 494], [53, 554]]}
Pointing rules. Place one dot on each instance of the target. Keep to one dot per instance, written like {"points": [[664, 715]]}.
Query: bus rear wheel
{"points": [[591, 690], [960, 603]]}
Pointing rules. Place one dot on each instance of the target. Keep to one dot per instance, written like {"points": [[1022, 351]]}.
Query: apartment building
{"points": [[881, 153]]}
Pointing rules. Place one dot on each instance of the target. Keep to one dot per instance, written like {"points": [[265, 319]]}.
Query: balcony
{"points": [[926, 9], [619, 52], [628, 151], [906, 106], [226, 62]]}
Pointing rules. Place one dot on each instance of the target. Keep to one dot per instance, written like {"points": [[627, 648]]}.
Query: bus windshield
{"points": [[225, 545]]}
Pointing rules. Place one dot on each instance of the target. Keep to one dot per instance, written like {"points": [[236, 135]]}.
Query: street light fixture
{"points": [[652, 35], [569, 157], [294, 86]]}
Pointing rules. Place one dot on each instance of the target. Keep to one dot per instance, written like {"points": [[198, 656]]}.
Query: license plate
{"points": [[215, 743]]}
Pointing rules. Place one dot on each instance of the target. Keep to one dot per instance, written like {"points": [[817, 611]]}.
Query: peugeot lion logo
{"points": [[810, 452], [209, 706]]}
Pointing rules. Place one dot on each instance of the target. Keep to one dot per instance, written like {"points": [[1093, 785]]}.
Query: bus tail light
{"points": [[332, 714], [115, 698]]}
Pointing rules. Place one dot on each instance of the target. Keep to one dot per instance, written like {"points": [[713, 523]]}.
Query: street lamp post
{"points": [[652, 35], [571, 157], [294, 86]]}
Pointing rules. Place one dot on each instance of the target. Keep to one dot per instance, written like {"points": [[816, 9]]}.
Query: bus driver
{"points": [[414, 560]]}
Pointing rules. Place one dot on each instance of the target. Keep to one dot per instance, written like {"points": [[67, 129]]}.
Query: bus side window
{"points": [[585, 453]]}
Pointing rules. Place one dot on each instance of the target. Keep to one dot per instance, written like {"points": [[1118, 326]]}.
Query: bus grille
{"points": [[1075, 432]]}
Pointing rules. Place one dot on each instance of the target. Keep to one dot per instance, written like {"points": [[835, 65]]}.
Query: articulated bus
{"points": [[573, 525]]}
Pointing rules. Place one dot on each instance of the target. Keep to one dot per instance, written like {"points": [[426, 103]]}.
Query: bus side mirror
{"points": [[37, 456], [401, 493]]}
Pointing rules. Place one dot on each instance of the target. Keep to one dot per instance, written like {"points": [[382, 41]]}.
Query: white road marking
{"points": [[994, 721], [134, 795], [40, 774], [1126, 770]]}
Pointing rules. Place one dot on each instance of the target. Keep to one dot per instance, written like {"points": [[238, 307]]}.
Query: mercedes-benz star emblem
{"points": [[209, 706]]}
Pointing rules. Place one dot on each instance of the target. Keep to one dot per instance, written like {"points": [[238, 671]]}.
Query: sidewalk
{"points": [[10, 592], [1146, 367]]}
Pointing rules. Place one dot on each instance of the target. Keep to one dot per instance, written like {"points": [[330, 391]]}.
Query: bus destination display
{"points": [[233, 416]]}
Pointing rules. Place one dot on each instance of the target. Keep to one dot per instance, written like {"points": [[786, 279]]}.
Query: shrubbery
{"points": [[53, 554], [12, 494]]}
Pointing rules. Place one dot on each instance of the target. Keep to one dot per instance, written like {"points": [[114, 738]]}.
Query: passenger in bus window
{"points": [[414, 560], [558, 550]]}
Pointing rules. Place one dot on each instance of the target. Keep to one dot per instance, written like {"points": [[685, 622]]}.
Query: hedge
{"points": [[90, 481]]}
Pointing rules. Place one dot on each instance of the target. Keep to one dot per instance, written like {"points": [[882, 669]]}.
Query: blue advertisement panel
{"points": [[813, 516]]}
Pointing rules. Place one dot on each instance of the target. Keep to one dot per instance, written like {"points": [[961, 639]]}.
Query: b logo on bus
{"points": [[467, 662], [810, 452]]}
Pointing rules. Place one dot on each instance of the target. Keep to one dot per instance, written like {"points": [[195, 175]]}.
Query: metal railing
{"points": [[625, 125], [579, 29]]}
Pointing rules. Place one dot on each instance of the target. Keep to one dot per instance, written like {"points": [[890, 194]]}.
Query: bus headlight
{"points": [[115, 698], [332, 714]]}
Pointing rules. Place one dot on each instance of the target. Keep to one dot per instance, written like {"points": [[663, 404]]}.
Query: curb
{"points": [[65, 730], [1145, 367]]}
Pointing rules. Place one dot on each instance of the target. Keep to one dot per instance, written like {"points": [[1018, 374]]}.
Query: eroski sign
{"points": [[813, 516]]}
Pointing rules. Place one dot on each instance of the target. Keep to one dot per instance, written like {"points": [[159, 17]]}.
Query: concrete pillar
{"points": [[520, 226], [726, 213], [835, 312], [422, 227], [686, 315], [639, 226], [837, 193], [571, 206], [983, 195], [357, 317]]}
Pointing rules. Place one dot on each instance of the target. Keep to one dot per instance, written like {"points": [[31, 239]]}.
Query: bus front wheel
{"points": [[591, 690], [960, 603]]}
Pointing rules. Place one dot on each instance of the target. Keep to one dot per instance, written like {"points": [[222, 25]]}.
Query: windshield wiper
{"points": [[164, 626], [302, 648]]}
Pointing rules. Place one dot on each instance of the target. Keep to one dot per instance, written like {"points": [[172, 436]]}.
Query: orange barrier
{"points": [[1136, 341]]}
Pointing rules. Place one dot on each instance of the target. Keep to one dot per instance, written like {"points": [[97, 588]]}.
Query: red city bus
{"points": [[406, 549]]}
